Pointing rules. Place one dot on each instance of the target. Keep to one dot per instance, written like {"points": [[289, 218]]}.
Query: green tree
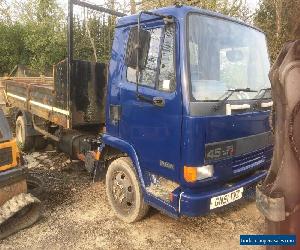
{"points": [[12, 47], [33, 32], [45, 33], [4, 12], [93, 36], [279, 19]]}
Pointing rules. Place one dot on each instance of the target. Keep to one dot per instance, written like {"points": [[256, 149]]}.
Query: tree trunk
{"points": [[278, 10], [132, 7]]}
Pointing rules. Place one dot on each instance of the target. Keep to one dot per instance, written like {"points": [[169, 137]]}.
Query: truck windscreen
{"points": [[225, 55]]}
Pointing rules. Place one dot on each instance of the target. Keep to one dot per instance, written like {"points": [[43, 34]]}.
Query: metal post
{"points": [[98, 8], [70, 49]]}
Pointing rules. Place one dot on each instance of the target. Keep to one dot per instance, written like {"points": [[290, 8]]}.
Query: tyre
{"points": [[24, 141], [124, 191], [34, 186]]}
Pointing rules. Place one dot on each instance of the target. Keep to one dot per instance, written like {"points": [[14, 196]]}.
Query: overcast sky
{"points": [[252, 3]]}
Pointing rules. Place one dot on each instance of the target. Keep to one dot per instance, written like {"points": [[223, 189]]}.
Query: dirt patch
{"points": [[76, 215]]}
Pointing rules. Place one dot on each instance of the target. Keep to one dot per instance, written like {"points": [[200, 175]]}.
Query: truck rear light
{"points": [[192, 174]]}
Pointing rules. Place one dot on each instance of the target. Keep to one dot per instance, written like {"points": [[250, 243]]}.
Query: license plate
{"points": [[225, 199]]}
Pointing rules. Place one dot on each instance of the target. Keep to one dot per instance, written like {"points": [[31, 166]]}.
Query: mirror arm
{"points": [[138, 46]]}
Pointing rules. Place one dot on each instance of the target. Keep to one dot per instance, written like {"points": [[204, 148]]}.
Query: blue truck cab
{"points": [[196, 127]]}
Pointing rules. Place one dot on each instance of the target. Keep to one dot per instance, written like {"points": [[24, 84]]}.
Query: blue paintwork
{"points": [[125, 147], [149, 134], [130, 151], [198, 131], [194, 203]]}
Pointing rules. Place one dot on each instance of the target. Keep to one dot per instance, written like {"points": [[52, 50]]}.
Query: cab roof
{"points": [[179, 12]]}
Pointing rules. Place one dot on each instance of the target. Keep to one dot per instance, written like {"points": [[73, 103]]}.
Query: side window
{"points": [[167, 66], [166, 58], [148, 75]]}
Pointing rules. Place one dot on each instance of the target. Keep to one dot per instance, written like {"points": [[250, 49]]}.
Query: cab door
{"points": [[154, 129]]}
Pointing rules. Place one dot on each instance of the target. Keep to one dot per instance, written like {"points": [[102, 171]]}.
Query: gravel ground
{"points": [[76, 215]]}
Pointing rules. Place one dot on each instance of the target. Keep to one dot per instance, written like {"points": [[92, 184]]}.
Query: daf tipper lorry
{"points": [[178, 118]]}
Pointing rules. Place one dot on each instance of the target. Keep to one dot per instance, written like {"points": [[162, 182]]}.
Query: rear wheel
{"points": [[24, 141], [124, 191], [34, 185]]}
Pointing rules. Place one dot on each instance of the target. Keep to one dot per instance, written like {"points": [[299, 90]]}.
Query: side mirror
{"points": [[132, 47]]}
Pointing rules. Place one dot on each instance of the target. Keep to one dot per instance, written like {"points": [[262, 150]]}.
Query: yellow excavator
{"points": [[18, 208]]}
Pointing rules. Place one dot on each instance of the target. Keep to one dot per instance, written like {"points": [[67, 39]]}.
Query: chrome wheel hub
{"points": [[123, 191]]}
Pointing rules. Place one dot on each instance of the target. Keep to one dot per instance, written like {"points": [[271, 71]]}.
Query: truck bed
{"points": [[36, 98], [71, 105]]}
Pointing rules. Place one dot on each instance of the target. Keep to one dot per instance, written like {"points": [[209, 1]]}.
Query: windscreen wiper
{"points": [[229, 93], [261, 92]]}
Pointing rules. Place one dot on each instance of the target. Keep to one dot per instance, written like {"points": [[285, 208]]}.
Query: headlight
{"points": [[192, 174]]}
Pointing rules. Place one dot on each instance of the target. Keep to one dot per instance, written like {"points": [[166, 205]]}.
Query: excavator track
{"points": [[18, 208], [18, 213]]}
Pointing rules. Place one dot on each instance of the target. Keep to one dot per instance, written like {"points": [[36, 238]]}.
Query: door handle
{"points": [[159, 101]]}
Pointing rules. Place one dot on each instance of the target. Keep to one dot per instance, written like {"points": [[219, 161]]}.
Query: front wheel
{"points": [[124, 191]]}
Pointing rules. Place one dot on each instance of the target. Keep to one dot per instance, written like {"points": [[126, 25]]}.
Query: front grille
{"points": [[5, 156], [251, 161]]}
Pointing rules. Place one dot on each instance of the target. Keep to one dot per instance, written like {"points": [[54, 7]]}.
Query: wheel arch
{"points": [[124, 148], [28, 121]]}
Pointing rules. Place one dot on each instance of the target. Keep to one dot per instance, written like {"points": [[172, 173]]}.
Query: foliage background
{"points": [[280, 20], [33, 33]]}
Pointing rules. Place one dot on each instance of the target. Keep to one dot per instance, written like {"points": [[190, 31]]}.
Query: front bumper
{"points": [[196, 204]]}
